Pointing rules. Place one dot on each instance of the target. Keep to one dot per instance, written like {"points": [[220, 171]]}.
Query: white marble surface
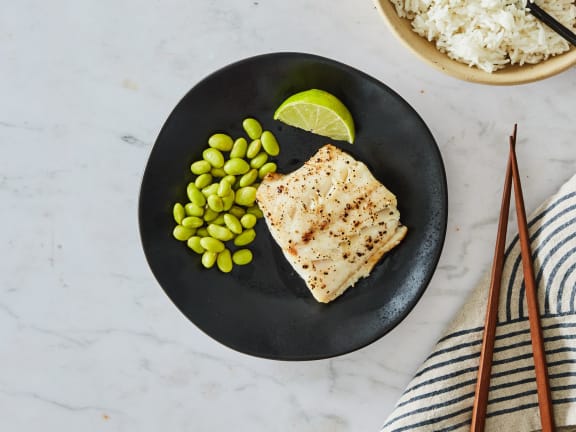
{"points": [[88, 341]]}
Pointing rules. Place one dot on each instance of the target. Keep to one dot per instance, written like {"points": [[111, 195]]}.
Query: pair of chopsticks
{"points": [[484, 371], [551, 22]]}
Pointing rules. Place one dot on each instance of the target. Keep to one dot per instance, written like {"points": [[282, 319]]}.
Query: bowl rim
{"points": [[512, 75]]}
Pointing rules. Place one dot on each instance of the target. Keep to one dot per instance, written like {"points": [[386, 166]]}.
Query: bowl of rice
{"points": [[485, 41]]}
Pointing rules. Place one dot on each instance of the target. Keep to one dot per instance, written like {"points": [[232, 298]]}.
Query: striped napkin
{"points": [[441, 394]]}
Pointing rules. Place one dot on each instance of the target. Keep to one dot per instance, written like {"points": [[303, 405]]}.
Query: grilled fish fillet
{"points": [[332, 219]]}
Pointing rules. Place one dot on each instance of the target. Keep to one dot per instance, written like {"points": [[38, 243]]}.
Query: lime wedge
{"points": [[318, 112]]}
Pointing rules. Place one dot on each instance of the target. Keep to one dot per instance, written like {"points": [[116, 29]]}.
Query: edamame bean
{"points": [[242, 257], [210, 190], [182, 233], [200, 167], [192, 222], [219, 220], [212, 244], [248, 178], [236, 166], [194, 244], [224, 188], [210, 215], [219, 232], [214, 156], [237, 211], [252, 127], [230, 179], [202, 232], [209, 259], [232, 223], [221, 142], [269, 143], [245, 196], [267, 168], [259, 160], [253, 148], [248, 220], [178, 212], [228, 201], [239, 148], [203, 180], [194, 210], [218, 172], [215, 203], [224, 261], [245, 238], [195, 196], [255, 210]]}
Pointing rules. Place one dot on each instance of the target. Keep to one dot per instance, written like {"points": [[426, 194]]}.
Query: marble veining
{"points": [[88, 341]]}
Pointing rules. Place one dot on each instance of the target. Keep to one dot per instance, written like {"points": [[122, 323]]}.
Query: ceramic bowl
{"points": [[427, 51]]}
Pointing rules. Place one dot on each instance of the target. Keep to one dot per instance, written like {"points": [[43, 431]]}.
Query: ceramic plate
{"points": [[264, 309]]}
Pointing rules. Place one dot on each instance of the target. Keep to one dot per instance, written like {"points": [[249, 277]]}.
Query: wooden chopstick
{"points": [[485, 367], [538, 351], [484, 370], [551, 22]]}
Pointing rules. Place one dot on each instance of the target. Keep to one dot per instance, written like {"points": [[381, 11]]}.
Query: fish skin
{"points": [[332, 219]]}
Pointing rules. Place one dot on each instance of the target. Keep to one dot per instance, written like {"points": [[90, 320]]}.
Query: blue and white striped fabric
{"points": [[441, 394]]}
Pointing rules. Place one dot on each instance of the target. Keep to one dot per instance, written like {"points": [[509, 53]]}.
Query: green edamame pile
{"points": [[222, 210]]}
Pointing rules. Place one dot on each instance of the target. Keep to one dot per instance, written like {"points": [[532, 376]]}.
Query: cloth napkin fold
{"points": [[441, 394]]}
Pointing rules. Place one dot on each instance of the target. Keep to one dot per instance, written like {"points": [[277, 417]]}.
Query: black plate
{"points": [[265, 309]]}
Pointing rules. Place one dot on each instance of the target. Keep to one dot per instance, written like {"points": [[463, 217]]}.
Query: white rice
{"points": [[489, 34]]}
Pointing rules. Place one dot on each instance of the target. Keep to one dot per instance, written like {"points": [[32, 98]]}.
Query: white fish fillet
{"points": [[332, 219]]}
